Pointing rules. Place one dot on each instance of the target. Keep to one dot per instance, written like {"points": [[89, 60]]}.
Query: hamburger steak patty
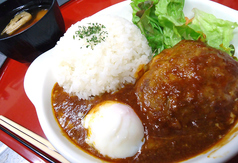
{"points": [[189, 87]]}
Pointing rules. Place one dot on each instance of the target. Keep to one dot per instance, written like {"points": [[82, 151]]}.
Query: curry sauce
{"points": [[69, 111], [187, 101]]}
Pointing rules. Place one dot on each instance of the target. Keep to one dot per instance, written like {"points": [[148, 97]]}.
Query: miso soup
{"points": [[36, 12]]}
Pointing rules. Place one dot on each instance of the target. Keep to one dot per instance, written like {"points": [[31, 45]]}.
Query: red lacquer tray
{"points": [[14, 103]]}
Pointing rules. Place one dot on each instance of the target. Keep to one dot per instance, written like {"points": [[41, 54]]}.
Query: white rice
{"points": [[108, 66]]}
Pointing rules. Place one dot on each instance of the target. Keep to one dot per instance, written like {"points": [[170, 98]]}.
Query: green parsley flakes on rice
{"points": [[99, 54]]}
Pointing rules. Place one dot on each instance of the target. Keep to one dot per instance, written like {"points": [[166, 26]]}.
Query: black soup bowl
{"points": [[28, 44]]}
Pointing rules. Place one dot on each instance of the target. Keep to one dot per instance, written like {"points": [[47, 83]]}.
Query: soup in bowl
{"points": [[29, 28]]}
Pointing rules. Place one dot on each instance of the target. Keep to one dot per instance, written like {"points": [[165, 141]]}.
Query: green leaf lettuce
{"points": [[217, 33], [164, 25]]}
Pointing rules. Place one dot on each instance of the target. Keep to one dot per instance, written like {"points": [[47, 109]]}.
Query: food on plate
{"points": [[174, 106], [186, 100], [100, 54], [164, 25], [190, 87], [22, 21], [114, 129]]}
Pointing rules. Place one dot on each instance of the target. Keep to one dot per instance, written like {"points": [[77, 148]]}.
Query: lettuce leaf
{"points": [[170, 12], [217, 33], [162, 22], [135, 8], [149, 26], [164, 25]]}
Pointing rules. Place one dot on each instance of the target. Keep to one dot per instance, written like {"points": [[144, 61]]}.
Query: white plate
{"points": [[39, 82]]}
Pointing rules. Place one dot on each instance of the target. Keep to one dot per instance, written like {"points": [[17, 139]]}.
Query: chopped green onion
{"points": [[94, 34]]}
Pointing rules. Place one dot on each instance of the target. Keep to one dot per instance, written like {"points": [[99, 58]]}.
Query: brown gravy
{"points": [[156, 149]]}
